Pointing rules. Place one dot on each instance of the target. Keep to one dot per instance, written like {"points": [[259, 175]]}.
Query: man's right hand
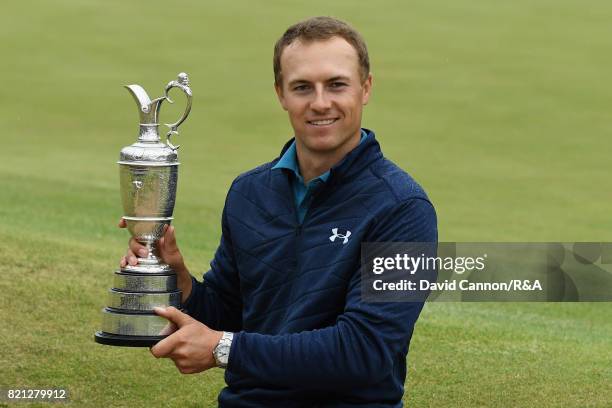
{"points": [[169, 252]]}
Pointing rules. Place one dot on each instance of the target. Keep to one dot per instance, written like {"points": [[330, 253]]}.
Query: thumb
{"points": [[174, 315], [168, 241]]}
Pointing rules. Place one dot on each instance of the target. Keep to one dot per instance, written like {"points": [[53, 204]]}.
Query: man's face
{"points": [[322, 92]]}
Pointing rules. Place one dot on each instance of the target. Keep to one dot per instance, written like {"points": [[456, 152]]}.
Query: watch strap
{"points": [[222, 349]]}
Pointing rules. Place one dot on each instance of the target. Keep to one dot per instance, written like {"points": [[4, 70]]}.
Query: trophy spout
{"points": [[148, 109]]}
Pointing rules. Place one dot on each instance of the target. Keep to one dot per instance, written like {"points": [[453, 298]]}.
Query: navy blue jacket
{"points": [[292, 295]]}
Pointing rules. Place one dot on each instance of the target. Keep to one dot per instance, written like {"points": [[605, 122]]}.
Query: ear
{"points": [[367, 89], [279, 94]]}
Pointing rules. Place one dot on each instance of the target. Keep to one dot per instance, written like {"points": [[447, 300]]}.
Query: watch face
{"points": [[221, 355], [221, 352]]}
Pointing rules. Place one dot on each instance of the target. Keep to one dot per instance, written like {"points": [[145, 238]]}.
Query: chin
{"points": [[321, 143]]}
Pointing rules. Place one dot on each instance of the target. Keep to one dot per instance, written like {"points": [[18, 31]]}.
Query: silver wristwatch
{"points": [[222, 350]]}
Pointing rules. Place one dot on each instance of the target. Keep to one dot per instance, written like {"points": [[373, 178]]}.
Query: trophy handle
{"points": [[182, 82]]}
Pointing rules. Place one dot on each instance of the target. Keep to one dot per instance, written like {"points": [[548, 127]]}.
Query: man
{"points": [[281, 307]]}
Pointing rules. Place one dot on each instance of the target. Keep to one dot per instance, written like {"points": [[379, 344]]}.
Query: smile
{"points": [[322, 122]]}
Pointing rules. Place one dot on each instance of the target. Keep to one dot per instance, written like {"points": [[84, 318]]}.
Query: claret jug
{"points": [[148, 174]]}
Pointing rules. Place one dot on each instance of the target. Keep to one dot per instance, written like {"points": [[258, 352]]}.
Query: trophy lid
{"points": [[149, 150]]}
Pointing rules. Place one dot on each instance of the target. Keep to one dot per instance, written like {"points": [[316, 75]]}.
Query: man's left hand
{"points": [[190, 346]]}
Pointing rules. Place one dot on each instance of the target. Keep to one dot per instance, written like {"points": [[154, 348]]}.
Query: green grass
{"points": [[501, 110]]}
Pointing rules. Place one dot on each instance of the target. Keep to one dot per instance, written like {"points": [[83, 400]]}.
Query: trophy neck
{"points": [[148, 133]]}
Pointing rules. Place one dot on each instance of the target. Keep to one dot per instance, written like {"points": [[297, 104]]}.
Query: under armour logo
{"points": [[335, 235]]}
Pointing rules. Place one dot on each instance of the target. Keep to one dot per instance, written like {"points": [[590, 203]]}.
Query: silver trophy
{"points": [[148, 172]]}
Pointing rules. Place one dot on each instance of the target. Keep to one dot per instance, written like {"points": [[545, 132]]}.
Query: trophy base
{"points": [[126, 341]]}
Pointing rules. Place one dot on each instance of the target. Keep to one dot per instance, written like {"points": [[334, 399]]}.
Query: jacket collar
{"points": [[355, 161]]}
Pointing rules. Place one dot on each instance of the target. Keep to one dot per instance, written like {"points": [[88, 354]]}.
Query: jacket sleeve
{"points": [[361, 346], [216, 301]]}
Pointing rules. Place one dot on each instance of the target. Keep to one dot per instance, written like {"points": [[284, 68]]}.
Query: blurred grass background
{"points": [[501, 110]]}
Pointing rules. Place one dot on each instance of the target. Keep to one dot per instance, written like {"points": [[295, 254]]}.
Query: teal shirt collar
{"points": [[302, 193], [289, 161]]}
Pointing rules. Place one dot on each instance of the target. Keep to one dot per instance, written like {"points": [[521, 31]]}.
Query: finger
{"points": [[174, 315], [137, 248], [170, 239], [168, 329], [131, 257], [122, 223], [123, 262], [165, 347], [161, 239]]}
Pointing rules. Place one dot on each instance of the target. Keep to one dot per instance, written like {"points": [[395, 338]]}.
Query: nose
{"points": [[321, 101]]}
